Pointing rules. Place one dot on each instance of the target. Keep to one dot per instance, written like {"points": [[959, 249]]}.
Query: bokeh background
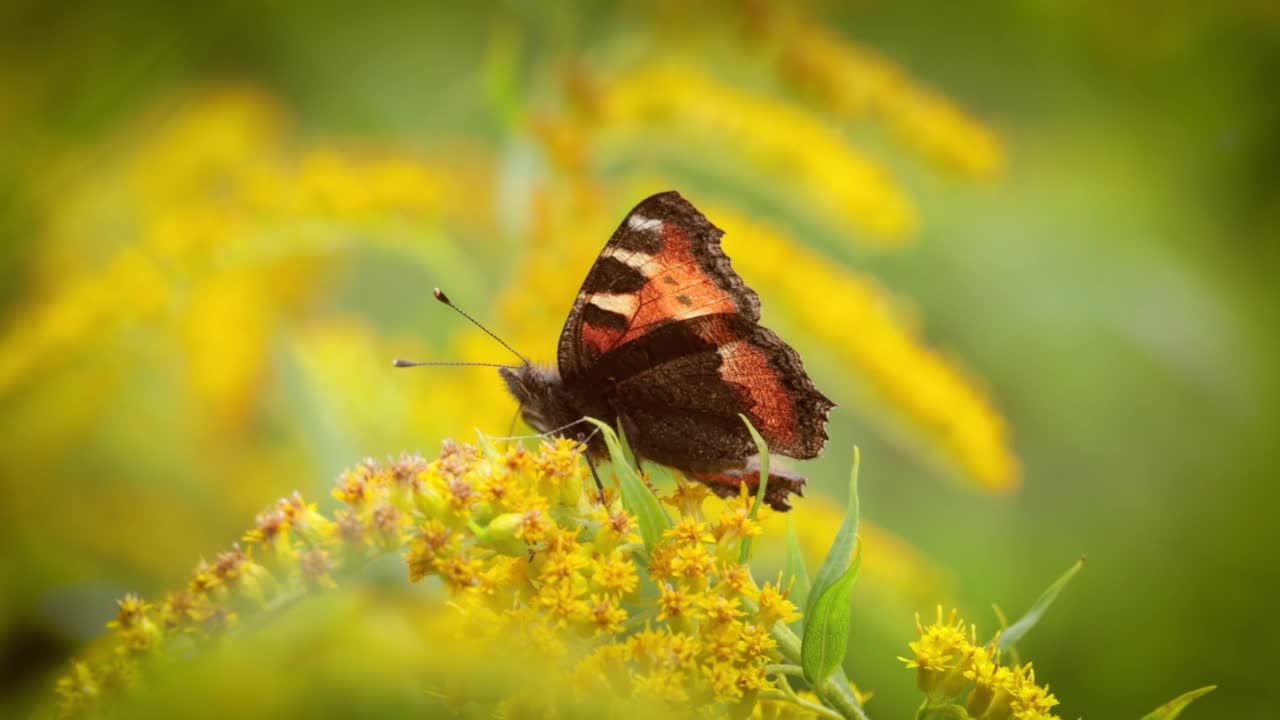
{"points": [[1029, 247]]}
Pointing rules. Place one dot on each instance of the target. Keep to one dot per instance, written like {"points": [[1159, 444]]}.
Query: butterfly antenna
{"points": [[445, 299], [413, 363]]}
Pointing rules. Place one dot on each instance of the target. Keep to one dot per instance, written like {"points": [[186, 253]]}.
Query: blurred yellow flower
{"points": [[851, 79], [790, 145], [855, 320]]}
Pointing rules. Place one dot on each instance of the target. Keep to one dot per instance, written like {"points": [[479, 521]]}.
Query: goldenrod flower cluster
{"points": [[529, 557], [796, 146], [851, 79], [950, 663], [211, 219]]}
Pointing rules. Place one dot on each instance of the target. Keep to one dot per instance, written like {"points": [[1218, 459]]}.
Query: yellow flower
{"points": [[605, 614], [675, 604], [692, 564], [948, 660], [690, 531], [721, 610], [687, 499], [519, 580], [617, 575], [774, 605]]}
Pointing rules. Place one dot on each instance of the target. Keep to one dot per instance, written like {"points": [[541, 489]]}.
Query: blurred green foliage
{"points": [[1114, 287]]}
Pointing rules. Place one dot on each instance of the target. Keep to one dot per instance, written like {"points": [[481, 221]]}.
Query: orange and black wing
{"points": [[662, 265], [669, 334]]}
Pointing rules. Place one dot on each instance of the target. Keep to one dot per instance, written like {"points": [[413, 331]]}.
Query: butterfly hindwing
{"points": [[680, 390]]}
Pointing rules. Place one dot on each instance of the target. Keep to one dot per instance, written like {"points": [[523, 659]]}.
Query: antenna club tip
{"points": [[399, 363], [440, 295]]}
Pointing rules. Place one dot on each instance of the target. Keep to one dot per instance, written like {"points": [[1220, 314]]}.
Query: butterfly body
{"points": [[664, 338]]}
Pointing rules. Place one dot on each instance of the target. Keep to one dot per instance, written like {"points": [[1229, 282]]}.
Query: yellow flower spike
{"points": [[852, 79], [786, 139], [557, 595], [948, 412], [948, 660]]}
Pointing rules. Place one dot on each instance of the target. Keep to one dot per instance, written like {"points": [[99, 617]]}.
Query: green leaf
{"points": [[486, 446], [1016, 631], [636, 497], [796, 572], [763, 449], [826, 630], [837, 559], [1171, 709], [626, 447]]}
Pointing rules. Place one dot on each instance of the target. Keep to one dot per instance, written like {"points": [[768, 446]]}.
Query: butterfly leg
{"points": [[596, 476]]}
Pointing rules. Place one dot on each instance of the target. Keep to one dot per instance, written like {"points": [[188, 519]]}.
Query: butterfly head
{"points": [[544, 402]]}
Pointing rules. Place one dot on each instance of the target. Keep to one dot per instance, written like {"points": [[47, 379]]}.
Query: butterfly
{"points": [[665, 338]]}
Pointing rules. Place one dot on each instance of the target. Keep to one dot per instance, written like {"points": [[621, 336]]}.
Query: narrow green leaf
{"points": [[763, 449], [1016, 631], [837, 559], [486, 446], [626, 447], [1174, 707], [796, 572], [636, 496], [826, 630]]}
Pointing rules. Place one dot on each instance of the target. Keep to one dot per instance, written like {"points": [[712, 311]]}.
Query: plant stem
{"points": [[815, 708], [795, 670], [834, 690]]}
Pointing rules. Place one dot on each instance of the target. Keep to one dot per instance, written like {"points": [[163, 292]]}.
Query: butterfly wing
{"points": [[681, 388], [663, 264], [667, 331]]}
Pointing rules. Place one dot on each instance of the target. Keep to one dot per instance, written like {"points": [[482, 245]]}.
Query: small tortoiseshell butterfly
{"points": [[665, 338]]}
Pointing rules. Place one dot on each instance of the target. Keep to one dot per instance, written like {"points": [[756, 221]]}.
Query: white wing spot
{"points": [[641, 223], [631, 258], [624, 304]]}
